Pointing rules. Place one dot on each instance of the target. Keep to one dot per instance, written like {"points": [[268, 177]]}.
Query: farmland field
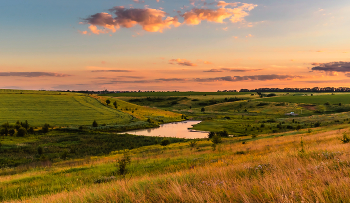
{"points": [[263, 142], [316, 99], [57, 110]]}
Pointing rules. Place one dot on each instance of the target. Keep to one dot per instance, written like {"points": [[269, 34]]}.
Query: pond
{"points": [[176, 129]]}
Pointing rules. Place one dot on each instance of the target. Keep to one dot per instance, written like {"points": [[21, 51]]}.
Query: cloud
{"points": [[116, 71], [151, 20], [32, 74], [207, 62], [249, 78], [332, 68], [232, 70], [182, 62], [237, 14], [138, 1]]}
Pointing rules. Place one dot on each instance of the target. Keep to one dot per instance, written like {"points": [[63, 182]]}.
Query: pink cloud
{"points": [[182, 62], [151, 20]]}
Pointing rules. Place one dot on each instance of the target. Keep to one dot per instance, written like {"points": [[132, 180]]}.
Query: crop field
{"points": [[140, 112], [170, 94], [316, 99], [296, 141], [56, 109]]}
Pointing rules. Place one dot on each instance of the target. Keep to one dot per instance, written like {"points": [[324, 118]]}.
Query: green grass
{"points": [[56, 109], [169, 94], [316, 99]]}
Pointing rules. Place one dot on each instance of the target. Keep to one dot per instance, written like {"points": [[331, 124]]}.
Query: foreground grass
{"points": [[270, 168]]}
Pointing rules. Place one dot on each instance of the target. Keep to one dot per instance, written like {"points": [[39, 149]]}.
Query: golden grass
{"points": [[270, 170]]}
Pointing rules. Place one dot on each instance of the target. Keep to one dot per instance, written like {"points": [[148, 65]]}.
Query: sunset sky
{"points": [[185, 45]]}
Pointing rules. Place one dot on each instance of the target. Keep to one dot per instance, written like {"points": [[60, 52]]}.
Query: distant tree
{"points": [[222, 133], [18, 126], [94, 124], [25, 125], [21, 132], [31, 131], [108, 101], [165, 142], [115, 104], [45, 128], [40, 150], [216, 139], [4, 131], [211, 135], [203, 109], [12, 132], [64, 155]]}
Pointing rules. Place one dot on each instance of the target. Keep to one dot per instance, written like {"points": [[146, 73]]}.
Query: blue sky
{"points": [[275, 37]]}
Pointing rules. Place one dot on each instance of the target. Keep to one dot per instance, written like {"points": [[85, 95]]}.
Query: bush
{"points": [[216, 139], [45, 128], [123, 163], [94, 124], [203, 109], [165, 142], [21, 132], [211, 135], [345, 138], [193, 144], [40, 150]]}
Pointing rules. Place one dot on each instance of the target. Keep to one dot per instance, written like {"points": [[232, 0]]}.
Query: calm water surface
{"points": [[177, 129]]}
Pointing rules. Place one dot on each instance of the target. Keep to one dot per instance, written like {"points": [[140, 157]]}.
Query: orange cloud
{"points": [[196, 16], [182, 62], [151, 20]]}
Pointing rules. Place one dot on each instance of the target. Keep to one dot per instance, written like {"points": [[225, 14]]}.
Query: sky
{"points": [[168, 45]]}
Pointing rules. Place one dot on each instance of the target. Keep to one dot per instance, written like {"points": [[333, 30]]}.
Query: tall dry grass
{"points": [[266, 170]]}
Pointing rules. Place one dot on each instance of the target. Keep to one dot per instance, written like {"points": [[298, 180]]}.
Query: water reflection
{"points": [[177, 129]]}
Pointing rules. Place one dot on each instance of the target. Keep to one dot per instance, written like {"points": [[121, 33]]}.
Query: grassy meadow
{"points": [[57, 109], [270, 155], [302, 166]]}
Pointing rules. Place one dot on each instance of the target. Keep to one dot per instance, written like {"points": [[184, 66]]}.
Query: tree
{"points": [[4, 131], [216, 139], [123, 163], [21, 132], [31, 130], [211, 135], [165, 142], [25, 125], [45, 128], [94, 124], [203, 109], [40, 150], [115, 104], [108, 101], [12, 132]]}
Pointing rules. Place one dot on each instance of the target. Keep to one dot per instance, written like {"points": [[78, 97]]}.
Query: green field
{"points": [[316, 99], [57, 109], [171, 94]]}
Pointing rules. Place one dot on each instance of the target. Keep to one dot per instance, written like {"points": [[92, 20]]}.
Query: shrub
{"points": [[40, 150], [211, 135], [193, 144], [345, 138], [31, 130], [64, 155], [12, 132], [165, 142], [21, 132], [108, 101], [94, 124], [216, 139], [123, 163], [203, 109], [45, 128]]}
